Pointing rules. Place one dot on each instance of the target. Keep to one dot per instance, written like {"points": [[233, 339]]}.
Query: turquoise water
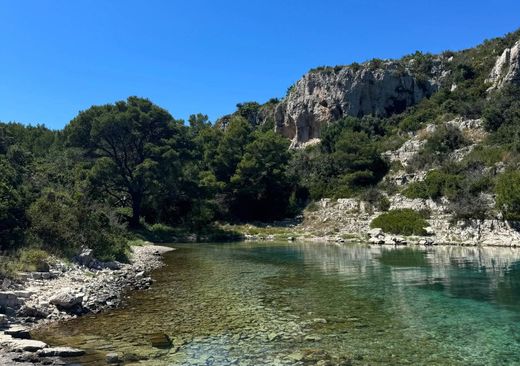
{"points": [[306, 304]]}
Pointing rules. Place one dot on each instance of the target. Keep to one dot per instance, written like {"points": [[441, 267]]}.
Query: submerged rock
{"points": [[160, 340]]}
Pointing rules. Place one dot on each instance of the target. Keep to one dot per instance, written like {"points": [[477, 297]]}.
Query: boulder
{"points": [[61, 352], [112, 358], [27, 345], [86, 258], [33, 311], [375, 232], [66, 298]]}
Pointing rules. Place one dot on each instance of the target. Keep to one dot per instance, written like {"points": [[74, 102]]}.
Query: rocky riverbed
{"points": [[66, 291]]}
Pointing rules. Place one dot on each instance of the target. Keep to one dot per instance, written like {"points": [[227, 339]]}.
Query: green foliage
{"points": [[443, 141], [508, 194], [33, 259], [347, 161], [133, 143], [401, 222], [436, 184], [260, 183], [63, 224], [376, 199]]}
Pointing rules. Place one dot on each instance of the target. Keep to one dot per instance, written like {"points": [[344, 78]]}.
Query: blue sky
{"points": [[58, 57]]}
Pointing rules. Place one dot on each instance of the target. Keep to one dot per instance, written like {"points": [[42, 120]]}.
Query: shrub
{"points": [[435, 185], [376, 199], [401, 221], [33, 259], [508, 194]]}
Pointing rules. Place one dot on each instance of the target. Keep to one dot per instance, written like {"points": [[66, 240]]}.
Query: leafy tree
{"points": [[261, 188], [133, 144], [231, 148]]}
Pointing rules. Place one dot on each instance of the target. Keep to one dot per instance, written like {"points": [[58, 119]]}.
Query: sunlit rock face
{"points": [[327, 94], [507, 68]]}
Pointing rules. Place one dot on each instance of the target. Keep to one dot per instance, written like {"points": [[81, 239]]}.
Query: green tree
{"points": [[261, 188], [133, 144], [231, 148]]}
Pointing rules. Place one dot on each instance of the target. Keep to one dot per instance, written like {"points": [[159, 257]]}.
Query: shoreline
{"points": [[97, 290], [66, 292]]}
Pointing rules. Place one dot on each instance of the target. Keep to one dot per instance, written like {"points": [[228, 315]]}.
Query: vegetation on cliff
{"points": [[131, 165]]}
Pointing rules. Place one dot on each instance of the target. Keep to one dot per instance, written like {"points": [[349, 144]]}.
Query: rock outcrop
{"points": [[327, 94], [507, 68]]}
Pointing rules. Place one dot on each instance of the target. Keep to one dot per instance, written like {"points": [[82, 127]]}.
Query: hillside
{"points": [[437, 134], [427, 141]]}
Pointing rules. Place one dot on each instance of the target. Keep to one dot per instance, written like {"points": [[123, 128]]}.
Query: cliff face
{"points": [[506, 69], [325, 95]]}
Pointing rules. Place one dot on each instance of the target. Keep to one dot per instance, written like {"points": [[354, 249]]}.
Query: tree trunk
{"points": [[136, 210]]}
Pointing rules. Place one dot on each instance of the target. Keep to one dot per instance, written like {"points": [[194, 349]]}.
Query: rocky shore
{"points": [[64, 292]]}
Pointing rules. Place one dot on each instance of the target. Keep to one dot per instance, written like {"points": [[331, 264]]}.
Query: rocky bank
{"points": [[66, 291]]}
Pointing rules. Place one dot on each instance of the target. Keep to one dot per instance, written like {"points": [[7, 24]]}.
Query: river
{"points": [[311, 303]]}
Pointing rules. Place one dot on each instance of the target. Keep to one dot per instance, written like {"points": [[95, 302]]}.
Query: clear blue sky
{"points": [[58, 57]]}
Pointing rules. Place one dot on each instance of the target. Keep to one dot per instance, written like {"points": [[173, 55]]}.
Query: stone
{"points": [[319, 320], [312, 338], [86, 258], [18, 332], [114, 265], [273, 336], [375, 232], [66, 298], [61, 352], [376, 241], [296, 356], [28, 345], [3, 321], [160, 340], [9, 299], [33, 311], [389, 241], [112, 358], [429, 230], [6, 283]]}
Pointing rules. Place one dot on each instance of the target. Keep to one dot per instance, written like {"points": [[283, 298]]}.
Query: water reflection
{"points": [[259, 303]]}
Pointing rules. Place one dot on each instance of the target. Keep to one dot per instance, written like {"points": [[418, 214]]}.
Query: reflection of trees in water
{"points": [[489, 274]]}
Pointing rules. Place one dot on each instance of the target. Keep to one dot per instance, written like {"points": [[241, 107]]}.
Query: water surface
{"points": [[296, 304]]}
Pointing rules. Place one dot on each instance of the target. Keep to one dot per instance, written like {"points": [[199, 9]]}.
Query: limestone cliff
{"points": [[506, 69], [327, 94]]}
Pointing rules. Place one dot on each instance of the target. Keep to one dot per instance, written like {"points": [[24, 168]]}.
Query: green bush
{"points": [[508, 194], [401, 221], [376, 199], [33, 259], [435, 185]]}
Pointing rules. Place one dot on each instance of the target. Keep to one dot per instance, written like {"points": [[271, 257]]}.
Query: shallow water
{"points": [[297, 303]]}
